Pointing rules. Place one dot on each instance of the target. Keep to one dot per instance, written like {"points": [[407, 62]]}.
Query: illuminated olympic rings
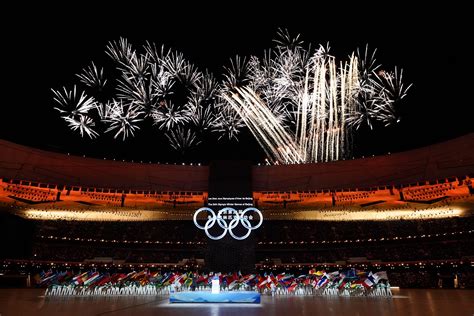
{"points": [[228, 227]]}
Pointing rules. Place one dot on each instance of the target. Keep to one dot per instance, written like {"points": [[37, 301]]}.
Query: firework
{"points": [[93, 77], [299, 103], [237, 74], [83, 124], [168, 116], [123, 119], [162, 82], [182, 139], [303, 106], [229, 122], [200, 115], [120, 51], [71, 103]]}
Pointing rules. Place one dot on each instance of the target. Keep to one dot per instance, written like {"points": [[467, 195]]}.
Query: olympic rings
{"points": [[227, 227]]}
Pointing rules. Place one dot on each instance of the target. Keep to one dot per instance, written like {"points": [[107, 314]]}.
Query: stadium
{"points": [[63, 212], [163, 188]]}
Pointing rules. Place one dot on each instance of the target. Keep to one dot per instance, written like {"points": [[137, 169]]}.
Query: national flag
{"points": [[91, 278], [322, 281], [79, 279], [341, 284], [202, 279], [262, 282], [317, 273], [292, 287], [368, 282], [188, 282], [382, 275], [105, 279], [332, 275]]}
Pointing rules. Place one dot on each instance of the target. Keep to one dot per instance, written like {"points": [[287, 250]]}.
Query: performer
{"points": [[215, 285]]}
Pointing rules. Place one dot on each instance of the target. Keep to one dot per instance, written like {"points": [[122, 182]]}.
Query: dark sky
{"points": [[43, 51]]}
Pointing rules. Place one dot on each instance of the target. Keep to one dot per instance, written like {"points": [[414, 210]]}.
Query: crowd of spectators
{"points": [[286, 241], [270, 231]]}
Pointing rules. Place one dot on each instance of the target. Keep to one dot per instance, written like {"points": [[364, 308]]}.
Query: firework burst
{"points": [[300, 104], [169, 116], [303, 106], [93, 77], [83, 124], [182, 139], [123, 119], [71, 103]]}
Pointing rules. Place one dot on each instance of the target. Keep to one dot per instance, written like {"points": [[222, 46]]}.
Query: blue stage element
{"points": [[222, 297]]}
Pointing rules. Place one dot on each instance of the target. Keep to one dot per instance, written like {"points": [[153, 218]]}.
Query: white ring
{"points": [[236, 218]]}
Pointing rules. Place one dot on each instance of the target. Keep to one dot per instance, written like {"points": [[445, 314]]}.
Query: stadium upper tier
{"points": [[444, 160]]}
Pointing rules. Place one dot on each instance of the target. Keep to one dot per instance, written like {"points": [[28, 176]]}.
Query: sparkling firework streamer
{"points": [[393, 90], [285, 40], [324, 102], [162, 82], [200, 114], [123, 119], [182, 139], [154, 83], [137, 67], [175, 63], [137, 91], [71, 103], [93, 77], [237, 74], [83, 124], [120, 51], [104, 110], [271, 135], [228, 121], [298, 102], [207, 87], [190, 76], [168, 116]]}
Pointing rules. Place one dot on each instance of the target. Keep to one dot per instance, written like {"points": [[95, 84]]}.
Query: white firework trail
{"points": [[175, 63], [200, 114], [182, 139], [285, 40], [168, 116], [140, 92], [93, 77], [123, 119], [229, 122], [392, 90], [104, 110], [237, 74], [326, 100], [83, 124], [120, 51], [300, 105], [190, 76], [137, 67], [271, 135], [207, 87], [71, 103], [156, 56], [161, 81], [310, 105]]}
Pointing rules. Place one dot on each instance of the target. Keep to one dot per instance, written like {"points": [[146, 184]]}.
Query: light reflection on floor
{"points": [[404, 302]]}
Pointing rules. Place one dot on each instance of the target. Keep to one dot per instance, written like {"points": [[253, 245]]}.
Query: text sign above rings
{"points": [[235, 217]]}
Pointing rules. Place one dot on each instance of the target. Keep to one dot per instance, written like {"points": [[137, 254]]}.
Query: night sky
{"points": [[44, 51]]}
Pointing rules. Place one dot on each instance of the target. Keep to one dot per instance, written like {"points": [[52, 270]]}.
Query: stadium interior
{"points": [[409, 212]]}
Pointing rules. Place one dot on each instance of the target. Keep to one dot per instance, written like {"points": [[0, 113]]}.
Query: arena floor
{"points": [[404, 302]]}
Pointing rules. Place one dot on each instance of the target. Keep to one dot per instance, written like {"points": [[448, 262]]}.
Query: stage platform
{"points": [[413, 302], [222, 297]]}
